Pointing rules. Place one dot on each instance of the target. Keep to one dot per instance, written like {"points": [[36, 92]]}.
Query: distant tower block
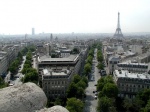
{"points": [[118, 33], [51, 37], [33, 31]]}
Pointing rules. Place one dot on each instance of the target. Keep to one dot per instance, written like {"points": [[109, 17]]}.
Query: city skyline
{"points": [[84, 16]]}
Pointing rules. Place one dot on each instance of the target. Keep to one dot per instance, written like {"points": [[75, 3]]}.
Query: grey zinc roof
{"points": [[114, 58]]}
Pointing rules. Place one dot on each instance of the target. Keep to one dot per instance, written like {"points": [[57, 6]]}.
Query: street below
{"points": [[90, 100]]}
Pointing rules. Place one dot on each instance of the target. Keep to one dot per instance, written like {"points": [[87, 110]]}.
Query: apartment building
{"points": [[55, 74], [11, 54], [112, 63], [3, 63], [65, 53], [55, 81], [129, 84], [133, 67]]}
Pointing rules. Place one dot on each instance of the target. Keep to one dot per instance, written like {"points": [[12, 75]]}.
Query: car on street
{"points": [[92, 78], [95, 97], [16, 76], [96, 93], [102, 72], [11, 84]]}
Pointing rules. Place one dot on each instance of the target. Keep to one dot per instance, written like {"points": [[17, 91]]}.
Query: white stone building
{"points": [[133, 67], [55, 74], [129, 84]]}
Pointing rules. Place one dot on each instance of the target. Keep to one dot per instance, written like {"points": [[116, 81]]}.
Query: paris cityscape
{"points": [[80, 61]]}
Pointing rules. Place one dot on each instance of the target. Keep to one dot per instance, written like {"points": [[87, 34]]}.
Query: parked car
{"points": [[95, 97], [92, 78], [11, 84], [103, 73], [96, 93]]}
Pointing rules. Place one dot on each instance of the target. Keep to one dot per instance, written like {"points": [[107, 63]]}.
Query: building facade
{"points": [[3, 63], [129, 84], [112, 63], [55, 74], [133, 67]]}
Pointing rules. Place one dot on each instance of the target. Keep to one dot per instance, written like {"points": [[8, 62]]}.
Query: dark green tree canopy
{"points": [[76, 78], [110, 90], [74, 105], [104, 104]]}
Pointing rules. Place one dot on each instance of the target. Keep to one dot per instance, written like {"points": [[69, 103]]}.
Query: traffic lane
{"points": [[17, 78], [90, 102]]}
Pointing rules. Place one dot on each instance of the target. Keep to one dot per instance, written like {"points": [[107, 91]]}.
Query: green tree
{"points": [[75, 51], [31, 48], [24, 51], [80, 92], [147, 107], [105, 104], [89, 59], [110, 90], [72, 90], [2, 83], [31, 77], [53, 56], [99, 56], [76, 78], [25, 69], [12, 69], [109, 79], [91, 52], [87, 68], [28, 62], [103, 80], [19, 55], [127, 104], [144, 96], [84, 79], [29, 56], [81, 84], [100, 66], [101, 83], [74, 105], [58, 101]]}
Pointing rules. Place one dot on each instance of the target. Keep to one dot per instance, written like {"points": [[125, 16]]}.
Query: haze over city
{"points": [[79, 16]]}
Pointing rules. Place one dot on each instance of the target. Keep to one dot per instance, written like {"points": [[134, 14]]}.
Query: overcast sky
{"points": [[79, 16]]}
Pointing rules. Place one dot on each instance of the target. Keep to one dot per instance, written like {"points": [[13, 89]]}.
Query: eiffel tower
{"points": [[118, 33]]}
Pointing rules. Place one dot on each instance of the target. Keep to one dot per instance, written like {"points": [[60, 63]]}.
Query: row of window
{"points": [[57, 76], [130, 89], [46, 87], [126, 95], [133, 86], [55, 92], [135, 80], [55, 83], [114, 62], [134, 69], [136, 66]]}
